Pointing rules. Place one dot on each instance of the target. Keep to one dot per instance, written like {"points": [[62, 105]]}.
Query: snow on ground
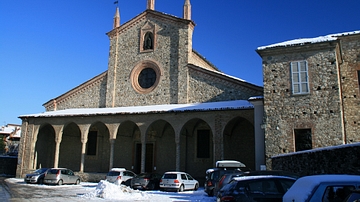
{"points": [[106, 191]]}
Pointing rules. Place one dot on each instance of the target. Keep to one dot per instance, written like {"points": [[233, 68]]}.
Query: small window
{"points": [[299, 77], [203, 144], [92, 143], [358, 74], [183, 177], [303, 139]]}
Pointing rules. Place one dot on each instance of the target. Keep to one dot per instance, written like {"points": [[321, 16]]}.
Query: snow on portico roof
{"points": [[303, 41], [208, 106]]}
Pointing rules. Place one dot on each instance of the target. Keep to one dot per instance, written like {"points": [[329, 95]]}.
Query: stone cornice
{"points": [[80, 88], [150, 13], [222, 78]]}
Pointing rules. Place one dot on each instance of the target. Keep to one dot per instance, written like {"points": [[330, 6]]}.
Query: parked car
{"points": [[61, 176], [226, 178], [120, 176], [256, 188], [148, 181], [322, 188], [36, 177], [213, 175], [178, 181]]}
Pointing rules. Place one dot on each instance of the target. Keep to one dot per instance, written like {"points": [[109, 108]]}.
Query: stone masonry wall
{"points": [[350, 49], [207, 88], [170, 53], [344, 159], [320, 110]]}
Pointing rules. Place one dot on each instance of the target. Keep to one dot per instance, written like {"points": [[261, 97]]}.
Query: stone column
{"points": [[84, 128], [113, 128], [259, 132], [218, 139], [178, 150], [112, 143], [58, 137]]}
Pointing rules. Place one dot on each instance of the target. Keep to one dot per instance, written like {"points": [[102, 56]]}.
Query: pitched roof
{"points": [[303, 41]]}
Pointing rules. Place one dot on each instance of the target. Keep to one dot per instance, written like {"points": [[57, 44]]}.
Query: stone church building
{"points": [[159, 106], [311, 93]]}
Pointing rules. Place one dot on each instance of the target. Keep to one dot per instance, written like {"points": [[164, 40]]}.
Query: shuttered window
{"points": [[299, 77]]}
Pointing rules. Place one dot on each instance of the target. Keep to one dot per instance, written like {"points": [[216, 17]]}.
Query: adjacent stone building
{"points": [[160, 106], [311, 93]]}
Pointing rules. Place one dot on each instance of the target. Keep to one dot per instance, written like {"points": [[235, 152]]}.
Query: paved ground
{"points": [[4, 190]]}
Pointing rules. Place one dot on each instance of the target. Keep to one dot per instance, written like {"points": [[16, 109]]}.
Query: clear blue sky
{"points": [[49, 47]]}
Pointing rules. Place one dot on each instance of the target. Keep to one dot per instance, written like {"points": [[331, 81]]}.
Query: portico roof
{"points": [[207, 106]]}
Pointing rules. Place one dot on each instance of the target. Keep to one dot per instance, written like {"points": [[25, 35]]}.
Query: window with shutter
{"points": [[299, 77]]}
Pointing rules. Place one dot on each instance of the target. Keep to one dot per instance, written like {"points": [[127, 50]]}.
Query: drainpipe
{"points": [[341, 94]]}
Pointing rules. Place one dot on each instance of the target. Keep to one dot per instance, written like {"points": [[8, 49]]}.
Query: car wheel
{"points": [[41, 181], [60, 182], [211, 193], [151, 186], [77, 182], [196, 187], [181, 189]]}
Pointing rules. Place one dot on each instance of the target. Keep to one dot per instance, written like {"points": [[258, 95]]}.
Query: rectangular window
{"points": [[303, 140], [203, 144], [92, 143], [299, 77]]}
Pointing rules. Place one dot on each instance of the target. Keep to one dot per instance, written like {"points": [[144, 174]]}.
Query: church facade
{"points": [[159, 106]]}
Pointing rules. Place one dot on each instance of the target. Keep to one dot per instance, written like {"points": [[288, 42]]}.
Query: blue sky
{"points": [[50, 47]]}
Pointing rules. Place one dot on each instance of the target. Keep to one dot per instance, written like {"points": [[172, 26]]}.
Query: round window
{"points": [[145, 76]]}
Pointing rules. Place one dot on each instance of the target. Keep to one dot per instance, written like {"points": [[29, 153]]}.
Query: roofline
{"points": [[75, 89], [155, 14], [226, 77]]}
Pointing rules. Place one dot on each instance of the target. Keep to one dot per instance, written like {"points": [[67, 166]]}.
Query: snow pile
{"points": [[107, 190]]}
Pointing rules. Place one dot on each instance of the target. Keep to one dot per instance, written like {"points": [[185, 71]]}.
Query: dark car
{"points": [[149, 181], [226, 178], [213, 175], [36, 177], [256, 188]]}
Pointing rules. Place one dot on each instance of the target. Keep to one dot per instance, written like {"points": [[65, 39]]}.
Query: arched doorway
{"points": [[70, 147], [45, 147]]}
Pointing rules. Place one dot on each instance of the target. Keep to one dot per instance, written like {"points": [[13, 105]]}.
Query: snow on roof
{"points": [[208, 106], [302, 41]]}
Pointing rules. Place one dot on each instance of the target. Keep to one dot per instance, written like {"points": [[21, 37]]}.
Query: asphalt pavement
{"points": [[4, 190]]}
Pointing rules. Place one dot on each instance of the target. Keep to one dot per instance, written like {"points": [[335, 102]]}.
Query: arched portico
{"points": [[44, 153]]}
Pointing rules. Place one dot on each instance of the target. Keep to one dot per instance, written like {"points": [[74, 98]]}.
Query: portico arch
{"points": [[45, 147], [196, 146], [70, 147], [239, 138]]}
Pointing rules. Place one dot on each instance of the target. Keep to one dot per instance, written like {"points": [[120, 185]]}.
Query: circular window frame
{"points": [[134, 76]]}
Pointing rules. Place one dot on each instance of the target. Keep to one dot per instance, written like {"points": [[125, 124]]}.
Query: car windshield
{"points": [[53, 171], [169, 176], [113, 173], [143, 175], [41, 170]]}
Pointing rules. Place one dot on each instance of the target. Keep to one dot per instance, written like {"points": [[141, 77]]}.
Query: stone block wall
{"points": [[343, 159]]}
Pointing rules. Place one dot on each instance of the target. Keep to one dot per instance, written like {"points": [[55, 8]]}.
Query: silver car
{"points": [[61, 176], [120, 176], [178, 181]]}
